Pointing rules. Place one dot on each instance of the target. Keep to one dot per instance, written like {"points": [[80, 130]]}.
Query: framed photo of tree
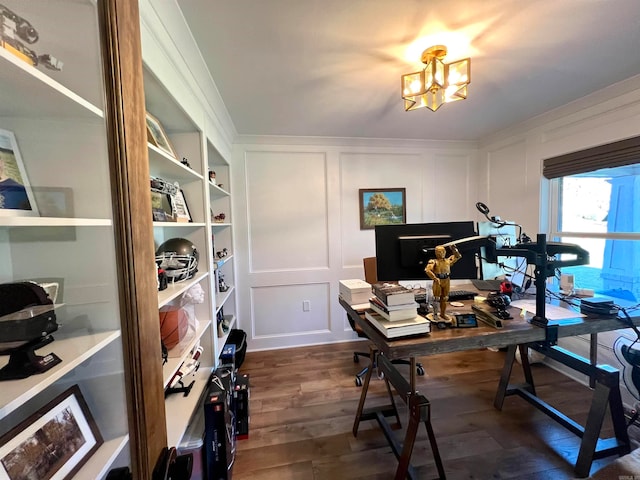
{"points": [[53, 443], [382, 206]]}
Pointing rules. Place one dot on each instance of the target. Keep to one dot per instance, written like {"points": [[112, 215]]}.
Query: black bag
{"points": [[239, 339]]}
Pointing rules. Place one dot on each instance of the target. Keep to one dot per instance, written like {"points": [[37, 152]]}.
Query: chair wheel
{"points": [[420, 370], [356, 359], [358, 382]]}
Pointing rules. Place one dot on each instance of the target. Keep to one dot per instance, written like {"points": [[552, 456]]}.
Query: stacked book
{"points": [[393, 311], [355, 291]]}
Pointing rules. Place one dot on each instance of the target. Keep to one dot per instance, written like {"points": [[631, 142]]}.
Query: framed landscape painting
{"points": [[382, 206], [158, 137], [53, 443]]}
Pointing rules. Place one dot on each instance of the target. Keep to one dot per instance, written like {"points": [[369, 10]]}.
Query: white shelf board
{"points": [[175, 289], [223, 339], [220, 262], [46, 97], [100, 462], [178, 224], [72, 348], [169, 168], [220, 225], [223, 297], [53, 222], [180, 408], [217, 192], [173, 363]]}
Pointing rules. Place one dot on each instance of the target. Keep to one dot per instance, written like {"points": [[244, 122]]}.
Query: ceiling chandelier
{"points": [[438, 83]]}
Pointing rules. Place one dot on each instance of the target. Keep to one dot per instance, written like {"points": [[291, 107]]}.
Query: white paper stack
{"points": [[355, 291], [403, 328]]}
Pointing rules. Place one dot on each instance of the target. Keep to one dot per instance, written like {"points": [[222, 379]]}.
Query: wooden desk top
{"points": [[515, 331]]}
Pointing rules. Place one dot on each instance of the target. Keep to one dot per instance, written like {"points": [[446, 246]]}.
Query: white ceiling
{"points": [[332, 67]]}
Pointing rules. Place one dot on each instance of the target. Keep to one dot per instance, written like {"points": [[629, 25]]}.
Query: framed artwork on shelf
{"points": [[179, 207], [53, 443], [158, 137], [161, 207], [382, 206], [16, 195]]}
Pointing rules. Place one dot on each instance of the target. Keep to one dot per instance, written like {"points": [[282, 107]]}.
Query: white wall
{"points": [[297, 229]]}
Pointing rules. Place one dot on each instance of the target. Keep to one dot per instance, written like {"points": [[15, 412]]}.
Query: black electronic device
{"points": [[598, 306], [504, 236], [27, 318], [465, 320], [241, 396], [455, 295], [218, 430], [402, 251]]}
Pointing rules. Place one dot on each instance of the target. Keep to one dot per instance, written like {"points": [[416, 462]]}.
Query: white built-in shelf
{"points": [[174, 362], [100, 462], [220, 225], [169, 168], [222, 297], [222, 340], [180, 408], [178, 224], [53, 222], [217, 192], [73, 348], [178, 288], [221, 261], [47, 97]]}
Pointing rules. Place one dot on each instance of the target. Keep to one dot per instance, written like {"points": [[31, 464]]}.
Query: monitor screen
{"points": [[513, 268], [402, 251]]}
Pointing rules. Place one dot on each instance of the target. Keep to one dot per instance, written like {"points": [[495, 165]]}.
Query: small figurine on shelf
{"points": [[222, 253], [185, 162], [212, 176], [219, 218], [222, 285]]}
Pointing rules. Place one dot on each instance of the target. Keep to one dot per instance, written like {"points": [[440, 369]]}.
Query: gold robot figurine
{"points": [[439, 270]]}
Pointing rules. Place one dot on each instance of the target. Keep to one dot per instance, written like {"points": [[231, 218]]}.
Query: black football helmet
{"points": [[178, 257]]}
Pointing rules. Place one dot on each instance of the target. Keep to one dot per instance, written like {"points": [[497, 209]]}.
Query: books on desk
{"points": [[393, 313], [355, 291], [392, 294], [414, 326]]}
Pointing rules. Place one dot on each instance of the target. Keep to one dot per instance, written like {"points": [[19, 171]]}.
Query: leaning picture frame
{"points": [[158, 137], [16, 194], [53, 443], [179, 207], [382, 206]]}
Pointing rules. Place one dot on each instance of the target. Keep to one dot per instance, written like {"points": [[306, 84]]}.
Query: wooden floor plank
{"points": [[303, 402]]}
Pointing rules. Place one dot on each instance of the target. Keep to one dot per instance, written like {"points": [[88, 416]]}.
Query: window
{"points": [[600, 211]]}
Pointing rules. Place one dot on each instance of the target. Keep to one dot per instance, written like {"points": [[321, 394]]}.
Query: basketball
{"points": [[174, 325]]}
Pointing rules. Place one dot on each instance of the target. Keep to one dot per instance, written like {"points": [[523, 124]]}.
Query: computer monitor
{"points": [[513, 268], [402, 251]]}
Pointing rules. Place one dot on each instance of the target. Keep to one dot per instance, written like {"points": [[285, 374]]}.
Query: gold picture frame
{"points": [[157, 137]]}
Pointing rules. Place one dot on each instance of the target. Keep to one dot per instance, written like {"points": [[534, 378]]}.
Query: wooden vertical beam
{"points": [[135, 251]]}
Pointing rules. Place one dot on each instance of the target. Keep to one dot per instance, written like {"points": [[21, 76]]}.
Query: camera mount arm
{"points": [[540, 253]]}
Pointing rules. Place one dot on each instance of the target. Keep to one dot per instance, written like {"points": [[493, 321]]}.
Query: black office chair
{"points": [[371, 276]]}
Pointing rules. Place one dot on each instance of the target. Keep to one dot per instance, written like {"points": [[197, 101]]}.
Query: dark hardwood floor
{"points": [[303, 402]]}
